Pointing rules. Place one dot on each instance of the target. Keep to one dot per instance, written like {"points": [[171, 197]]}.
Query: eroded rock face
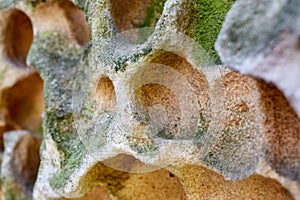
{"points": [[19, 165], [261, 38], [141, 114]]}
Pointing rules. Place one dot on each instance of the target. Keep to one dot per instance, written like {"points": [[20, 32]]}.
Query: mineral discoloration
{"points": [[141, 115]]}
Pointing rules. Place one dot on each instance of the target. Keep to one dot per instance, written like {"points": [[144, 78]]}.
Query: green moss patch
{"points": [[207, 22]]}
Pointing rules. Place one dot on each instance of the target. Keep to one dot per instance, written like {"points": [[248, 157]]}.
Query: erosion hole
{"points": [[25, 102], [26, 160], [152, 96], [77, 22], [281, 131], [22, 106], [105, 95], [163, 95], [62, 16], [18, 38], [130, 184], [131, 14]]}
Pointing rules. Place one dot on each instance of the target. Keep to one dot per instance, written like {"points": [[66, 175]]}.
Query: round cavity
{"points": [[62, 16], [26, 160], [281, 128], [25, 102], [105, 95], [129, 164], [76, 21], [151, 97], [171, 97], [234, 135], [128, 179], [22, 106], [159, 185], [18, 37], [131, 14]]}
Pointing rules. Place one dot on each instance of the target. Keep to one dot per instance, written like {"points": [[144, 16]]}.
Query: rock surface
{"points": [[261, 38], [136, 112]]}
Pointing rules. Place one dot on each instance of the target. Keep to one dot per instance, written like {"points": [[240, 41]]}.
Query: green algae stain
{"points": [[34, 3], [56, 61], [153, 13], [62, 132], [80, 4], [207, 22]]}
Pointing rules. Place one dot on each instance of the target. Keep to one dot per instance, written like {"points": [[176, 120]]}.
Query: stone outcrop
{"points": [[135, 104], [260, 38]]}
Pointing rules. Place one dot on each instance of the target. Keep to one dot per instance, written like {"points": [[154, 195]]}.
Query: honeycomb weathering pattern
{"points": [[137, 112], [261, 38]]}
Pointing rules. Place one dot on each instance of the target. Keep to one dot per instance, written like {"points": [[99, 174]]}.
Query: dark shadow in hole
{"points": [[18, 38], [77, 22], [158, 102], [23, 106], [281, 131], [105, 95], [26, 160], [25, 102], [136, 183], [130, 14]]}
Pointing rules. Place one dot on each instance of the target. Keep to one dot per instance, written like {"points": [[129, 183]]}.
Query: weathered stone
{"points": [[261, 38], [198, 180], [145, 114], [20, 164]]}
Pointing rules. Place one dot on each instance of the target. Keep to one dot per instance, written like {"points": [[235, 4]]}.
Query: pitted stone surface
{"points": [[260, 38], [146, 113]]}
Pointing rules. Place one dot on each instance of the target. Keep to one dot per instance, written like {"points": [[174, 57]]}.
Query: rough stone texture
{"points": [[19, 165], [197, 180], [261, 38], [146, 114]]}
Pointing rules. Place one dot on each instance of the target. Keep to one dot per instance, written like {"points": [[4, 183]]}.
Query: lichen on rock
{"points": [[137, 112]]}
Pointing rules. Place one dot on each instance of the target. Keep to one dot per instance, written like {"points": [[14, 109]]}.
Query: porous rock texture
{"points": [[148, 113], [261, 38]]}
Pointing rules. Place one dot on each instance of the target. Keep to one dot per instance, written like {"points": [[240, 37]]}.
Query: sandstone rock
{"points": [[20, 164], [260, 38], [146, 113]]}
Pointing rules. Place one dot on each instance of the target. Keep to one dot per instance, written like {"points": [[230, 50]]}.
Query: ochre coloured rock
{"points": [[134, 104]]}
